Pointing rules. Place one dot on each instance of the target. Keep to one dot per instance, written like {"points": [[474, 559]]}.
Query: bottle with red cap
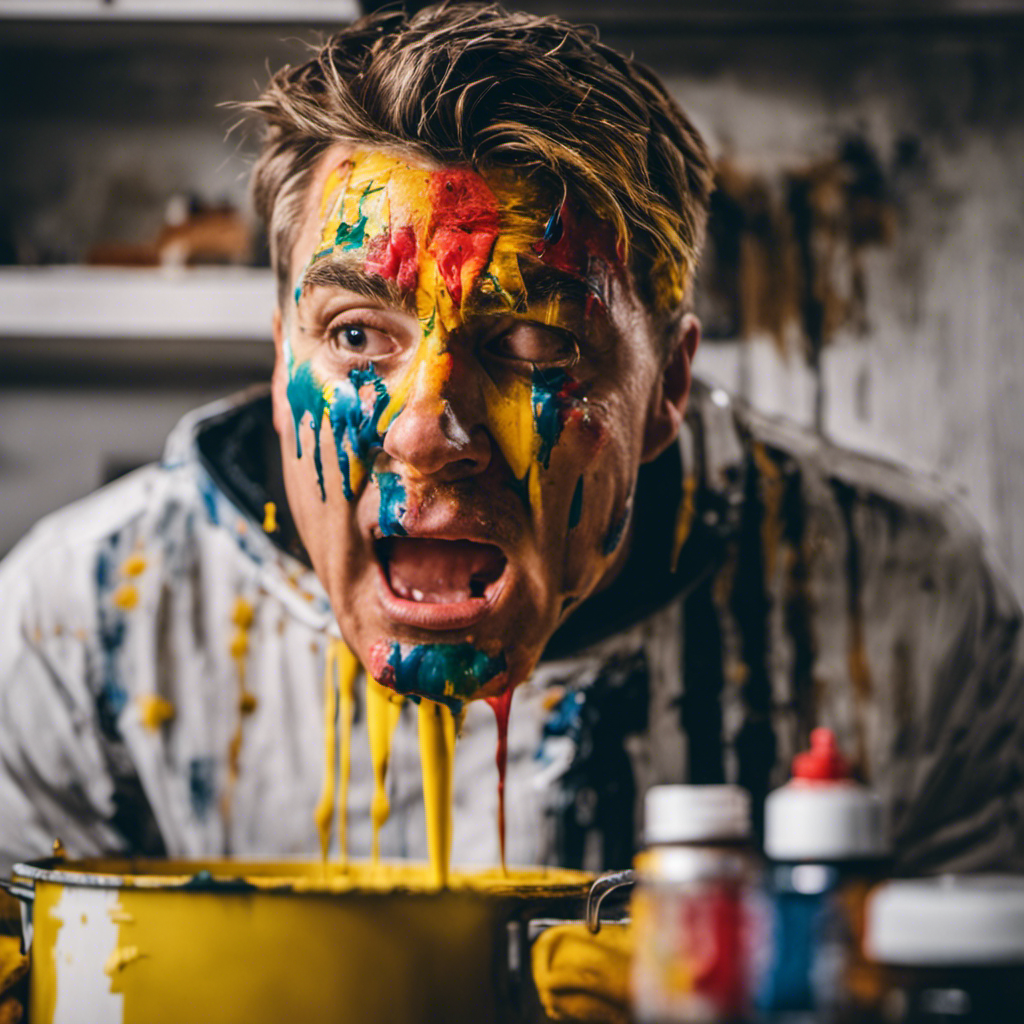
{"points": [[826, 846]]}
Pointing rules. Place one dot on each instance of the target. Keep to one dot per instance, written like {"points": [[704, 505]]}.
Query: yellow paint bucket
{"points": [[149, 942]]}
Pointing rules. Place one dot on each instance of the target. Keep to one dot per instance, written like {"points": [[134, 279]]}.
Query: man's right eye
{"points": [[361, 339]]}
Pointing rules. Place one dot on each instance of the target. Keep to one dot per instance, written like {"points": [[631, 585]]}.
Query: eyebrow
{"points": [[544, 282], [349, 276]]}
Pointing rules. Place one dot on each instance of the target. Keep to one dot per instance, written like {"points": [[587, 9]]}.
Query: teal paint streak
{"points": [[306, 396], [548, 403], [450, 673], [351, 236], [351, 420], [392, 504], [576, 508]]}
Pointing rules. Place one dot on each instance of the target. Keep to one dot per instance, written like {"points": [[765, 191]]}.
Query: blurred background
{"points": [[864, 270]]}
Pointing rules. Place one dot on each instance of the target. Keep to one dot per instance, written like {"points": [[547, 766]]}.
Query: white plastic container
{"points": [[691, 907]]}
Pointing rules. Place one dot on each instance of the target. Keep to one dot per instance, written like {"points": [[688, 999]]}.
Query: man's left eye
{"points": [[361, 340], [532, 343]]}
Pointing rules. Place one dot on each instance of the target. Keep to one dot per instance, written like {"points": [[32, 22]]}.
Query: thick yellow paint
{"points": [[126, 597], [340, 672], [348, 670], [437, 763], [323, 814], [383, 708]]}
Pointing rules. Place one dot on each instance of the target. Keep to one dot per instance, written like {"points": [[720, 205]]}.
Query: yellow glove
{"points": [[584, 977], [13, 967]]}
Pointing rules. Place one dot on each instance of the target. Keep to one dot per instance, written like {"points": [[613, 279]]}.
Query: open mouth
{"points": [[430, 571]]}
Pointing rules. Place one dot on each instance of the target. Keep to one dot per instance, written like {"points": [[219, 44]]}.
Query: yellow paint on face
{"points": [[434, 233]]}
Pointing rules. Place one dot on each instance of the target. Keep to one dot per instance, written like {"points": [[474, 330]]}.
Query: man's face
{"points": [[463, 379]]}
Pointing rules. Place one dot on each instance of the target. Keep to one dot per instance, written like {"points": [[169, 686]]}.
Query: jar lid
{"points": [[696, 814], [953, 920], [823, 814], [812, 821]]}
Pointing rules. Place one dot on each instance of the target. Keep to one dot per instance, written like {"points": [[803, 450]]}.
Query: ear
{"points": [[283, 422], [668, 403]]}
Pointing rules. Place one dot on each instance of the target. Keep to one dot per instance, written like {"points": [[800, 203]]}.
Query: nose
{"points": [[439, 432]]}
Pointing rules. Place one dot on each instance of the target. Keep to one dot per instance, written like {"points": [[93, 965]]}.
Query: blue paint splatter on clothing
{"points": [[392, 504], [111, 697], [202, 785], [208, 492]]}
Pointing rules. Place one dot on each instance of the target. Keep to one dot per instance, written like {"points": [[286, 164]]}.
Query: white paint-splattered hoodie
{"points": [[152, 634]]}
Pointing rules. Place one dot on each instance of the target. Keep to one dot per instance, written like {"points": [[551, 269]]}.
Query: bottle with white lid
{"points": [[952, 948], [826, 846], [691, 907]]}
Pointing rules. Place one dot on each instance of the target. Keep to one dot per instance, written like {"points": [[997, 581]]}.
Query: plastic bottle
{"points": [[825, 844], [691, 907], [952, 949]]}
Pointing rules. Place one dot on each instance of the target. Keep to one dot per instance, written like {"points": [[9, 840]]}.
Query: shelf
{"points": [[213, 304], [251, 11]]}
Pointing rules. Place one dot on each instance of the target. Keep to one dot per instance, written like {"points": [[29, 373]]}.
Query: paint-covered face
{"points": [[464, 376]]}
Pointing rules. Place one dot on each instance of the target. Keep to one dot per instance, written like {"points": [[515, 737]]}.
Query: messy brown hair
{"points": [[472, 83]]}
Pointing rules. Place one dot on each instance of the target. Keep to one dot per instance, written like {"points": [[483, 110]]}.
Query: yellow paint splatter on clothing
{"points": [[684, 517], [154, 711], [270, 517]]}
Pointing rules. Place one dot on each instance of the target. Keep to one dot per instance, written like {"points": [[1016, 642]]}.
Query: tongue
{"points": [[442, 571]]}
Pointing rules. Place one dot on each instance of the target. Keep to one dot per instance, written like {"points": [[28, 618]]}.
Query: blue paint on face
{"points": [[306, 396], [355, 418], [548, 409], [448, 673], [576, 508], [617, 528], [392, 504]]}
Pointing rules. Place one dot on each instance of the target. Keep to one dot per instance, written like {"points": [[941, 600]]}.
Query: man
{"points": [[485, 229]]}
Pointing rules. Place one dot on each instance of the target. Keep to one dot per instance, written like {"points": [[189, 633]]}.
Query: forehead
{"points": [[498, 232]]}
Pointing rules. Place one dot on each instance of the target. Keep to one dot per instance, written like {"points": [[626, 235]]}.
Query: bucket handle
{"points": [[603, 885], [22, 892]]}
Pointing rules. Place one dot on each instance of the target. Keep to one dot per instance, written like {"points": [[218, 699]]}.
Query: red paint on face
{"points": [[392, 255], [571, 244], [464, 225]]}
